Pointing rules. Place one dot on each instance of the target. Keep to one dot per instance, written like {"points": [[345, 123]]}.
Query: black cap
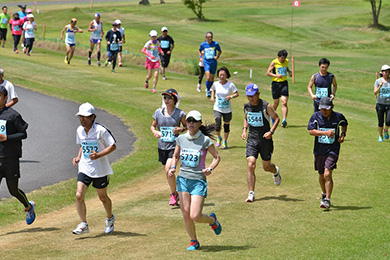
{"points": [[3, 90], [170, 92], [326, 103]]}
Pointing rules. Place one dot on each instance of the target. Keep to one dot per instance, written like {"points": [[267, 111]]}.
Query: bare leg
{"points": [[284, 106], [80, 203], [155, 80], [171, 179], [251, 176], [328, 182], [103, 196], [185, 205]]}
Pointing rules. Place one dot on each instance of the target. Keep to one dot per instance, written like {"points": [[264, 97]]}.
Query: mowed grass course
{"points": [[284, 222]]}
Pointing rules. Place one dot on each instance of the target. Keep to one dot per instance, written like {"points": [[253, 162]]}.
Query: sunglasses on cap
{"points": [[191, 120]]}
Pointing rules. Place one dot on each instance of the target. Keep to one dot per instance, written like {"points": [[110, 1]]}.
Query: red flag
{"points": [[296, 3]]}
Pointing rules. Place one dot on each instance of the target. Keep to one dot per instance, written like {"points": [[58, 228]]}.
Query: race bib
{"points": [[164, 44], [324, 139], [3, 128], [114, 46], [167, 134], [155, 53], [88, 146], [97, 33], [71, 37], [321, 92], [16, 28], [4, 20], [209, 53], [223, 103], [282, 70], [255, 119], [190, 157], [385, 92]]}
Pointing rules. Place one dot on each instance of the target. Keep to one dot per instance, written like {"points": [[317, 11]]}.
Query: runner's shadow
{"points": [[223, 248], [296, 126], [32, 230], [114, 233], [28, 161], [348, 207], [281, 197], [208, 204], [235, 147]]}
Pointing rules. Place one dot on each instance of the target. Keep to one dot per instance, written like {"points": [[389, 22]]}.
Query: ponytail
{"points": [[208, 130]]}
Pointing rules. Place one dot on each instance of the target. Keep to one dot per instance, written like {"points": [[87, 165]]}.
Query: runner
{"points": [[22, 12], [122, 31], [324, 125], [323, 81], [382, 87], [16, 27], [167, 44], [96, 29], [167, 120], [278, 71], [201, 74], [151, 50], [4, 20], [70, 39], [257, 118], [191, 182], [25, 19], [96, 142], [12, 97], [29, 27], [113, 38], [210, 50], [224, 90], [12, 132]]}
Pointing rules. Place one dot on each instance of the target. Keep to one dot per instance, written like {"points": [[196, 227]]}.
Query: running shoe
{"points": [[251, 196], [173, 199], [109, 224], [16, 51], [120, 64], [198, 88], [218, 142], [89, 62], [98, 63], [208, 93], [386, 134], [30, 214], [146, 84], [224, 145], [284, 122], [164, 78], [106, 63], [113, 71], [216, 226], [325, 204], [109, 63], [154, 90], [81, 229], [277, 177], [380, 138], [28, 54], [193, 245], [66, 60]]}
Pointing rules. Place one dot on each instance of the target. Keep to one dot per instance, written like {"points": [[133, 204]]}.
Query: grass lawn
{"points": [[284, 222]]}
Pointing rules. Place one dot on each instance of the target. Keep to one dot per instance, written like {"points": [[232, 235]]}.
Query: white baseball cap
{"points": [[30, 16], [164, 29], [385, 67], [118, 21], [153, 33], [86, 109], [195, 115]]}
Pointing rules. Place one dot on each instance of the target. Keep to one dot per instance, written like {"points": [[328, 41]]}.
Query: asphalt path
{"points": [[51, 140], [31, 4]]}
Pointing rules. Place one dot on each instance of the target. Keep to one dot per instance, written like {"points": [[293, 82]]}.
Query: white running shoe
{"points": [[277, 177], [251, 196], [110, 224], [198, 88], [81, 229]]}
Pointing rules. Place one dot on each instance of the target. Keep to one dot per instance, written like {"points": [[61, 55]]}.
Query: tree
{"points": [[375, 11], [196, 7]]}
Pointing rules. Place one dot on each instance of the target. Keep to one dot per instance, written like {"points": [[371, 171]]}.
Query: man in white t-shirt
{"points": [[12, 96], [95, 141]]}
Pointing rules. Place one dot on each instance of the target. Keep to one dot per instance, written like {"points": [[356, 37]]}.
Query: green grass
{"points": [[286, 222]]}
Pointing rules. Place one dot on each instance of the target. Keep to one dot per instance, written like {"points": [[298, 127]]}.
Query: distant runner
{"points": [[122, 31], [4, 20], [167, 44], [152, 49], [29, 27], [16, 27], [97, 33], [382, 91], [113, 38], [12, 97], [70, 38]]}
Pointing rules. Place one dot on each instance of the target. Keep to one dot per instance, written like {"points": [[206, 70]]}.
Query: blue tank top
{"points": [[323, 84]]}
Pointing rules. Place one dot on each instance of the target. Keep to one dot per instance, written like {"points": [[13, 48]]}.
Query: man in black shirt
{"points": [[113, 38], [167, 44], [12, 131]]}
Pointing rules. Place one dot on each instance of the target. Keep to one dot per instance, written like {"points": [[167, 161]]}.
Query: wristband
{"points": [[232, 96], [343, 133], [272, 132], [173, 166], [245, 127]]}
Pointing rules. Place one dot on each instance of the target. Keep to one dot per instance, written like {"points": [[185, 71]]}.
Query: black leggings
{"points": [[16, 41], [201, 74], [30, 43], [112, 58], [381, 111], [14, 190]]}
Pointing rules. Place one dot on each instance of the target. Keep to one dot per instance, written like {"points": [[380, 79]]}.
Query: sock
{"points": [[195, 240], [89, 55], [98, 54], [208, 85]]}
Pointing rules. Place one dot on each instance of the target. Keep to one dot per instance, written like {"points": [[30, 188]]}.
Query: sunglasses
{"points": [[168, 97], [191, 120]]}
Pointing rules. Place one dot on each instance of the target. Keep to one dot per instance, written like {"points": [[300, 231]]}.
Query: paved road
{"points": [[31, 4], [51, 143]]}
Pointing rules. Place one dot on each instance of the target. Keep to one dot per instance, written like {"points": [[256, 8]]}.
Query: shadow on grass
{"points": [[115, 234], [349, 207], [234, 147], [32, 230], [281, 197], [28, 161], [297, 126], [223, 248], [205, 205], [196, 19]]}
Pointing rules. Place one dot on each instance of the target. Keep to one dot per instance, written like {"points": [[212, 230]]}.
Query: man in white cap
{"points": [[152, 49], [12, 97], [95, 141], [96, 29], [122, 31], [167, 45]]}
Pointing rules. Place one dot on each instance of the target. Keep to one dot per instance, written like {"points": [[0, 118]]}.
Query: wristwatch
{"points": [[210, 169]]}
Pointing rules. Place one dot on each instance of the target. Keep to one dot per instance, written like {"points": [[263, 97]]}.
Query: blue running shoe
{"points": [[386, 134], [216, 226], [380, 138], [194, 245], [208, 93], [30, 214]]}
